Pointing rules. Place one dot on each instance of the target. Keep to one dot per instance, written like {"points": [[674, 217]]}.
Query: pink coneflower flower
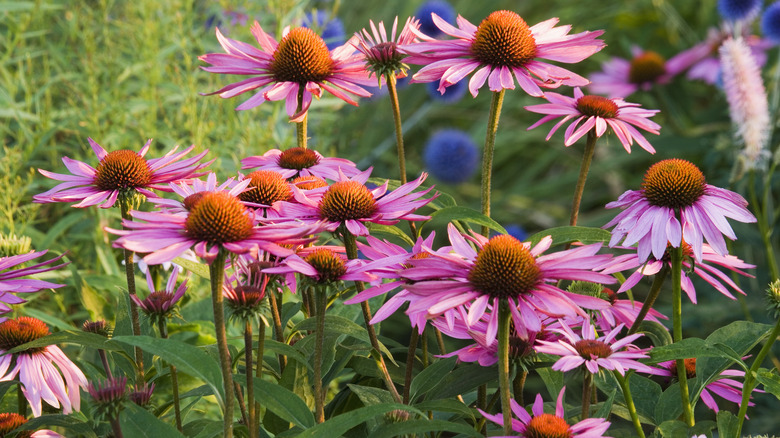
{"points": [[381, 53], [10, 421], [296, 162], [350, 203], [191, 190], [703, 62], [676, 204], [141, 394], [119, 172], [706, 269], [725, 387], [245, 289], [41, 370], [109, 395], [595, 354], [622, 77], [596, 113], [11, 281], [622, 312], [215, 221], [541, 424], [502, 49], [471, 282], [159, 305], [747, 100], [299, 64]]}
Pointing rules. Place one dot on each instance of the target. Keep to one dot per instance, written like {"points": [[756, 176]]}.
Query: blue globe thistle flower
{"points": [[452, 94], [516, 231], [440, 8], [770, 22], [735, 10], [331, 29], [451, 156]]}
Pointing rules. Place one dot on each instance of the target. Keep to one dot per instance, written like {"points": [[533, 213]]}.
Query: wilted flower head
{"points": [[451, 156], [676, 204], [381, 52], [119, 176], [747, 100], [501, 50], [160, 305], [33, 363], [109, 395]]}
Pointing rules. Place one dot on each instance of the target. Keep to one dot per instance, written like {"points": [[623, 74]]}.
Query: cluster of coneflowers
{"points": [[299, 222]]}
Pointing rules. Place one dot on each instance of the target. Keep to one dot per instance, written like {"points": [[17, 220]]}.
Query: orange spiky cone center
{"points": [[15, 332], [504, 268], [218, 217], [673, 183], [646, 67], [347, 200], [267, 187], [599, 106], [122, 170], [504, 39], [301, 57], [547, 426]]}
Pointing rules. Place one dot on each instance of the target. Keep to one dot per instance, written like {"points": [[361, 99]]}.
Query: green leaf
{"points": [[370, 395], [446, 405], [552, 379], [196, 268], [606, 407], [676, 428], [444, 200], [188, 359], [76, 424], [286, 350], [463, 379], [688, 347], [657, 332], [421, 426], [669, 405], [450, 214], [67, 337], [391, 233], [138, 422], [431, 376], [727, 424], [564, 235], [203, 428], [344, 326], [281, 401], [338, 425], [770, 380]]}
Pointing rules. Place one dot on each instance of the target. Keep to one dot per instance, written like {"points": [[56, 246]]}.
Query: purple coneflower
{"points": [[119, 172], [622, 77], [11, 281], [541, 424], [296, 162], [300, 64], [472, 282], [41, 369], [109, 395], [595, 354], [381, 53], [350, 203], [215, 221], [245, 290], [141, 394], [706, 269], [501, 50], [676, 204], [191, 190], [160, 304], [596, 113]]}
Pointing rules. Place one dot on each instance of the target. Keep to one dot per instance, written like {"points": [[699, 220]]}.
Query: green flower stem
{"points": [[623, 382], [503, 364], [350, 245], [587, 385], [275, 305], [587, 158], [163, 326], [104, 361], [217, 274], [250, 387], [518, 384], [439, 341], [116, 428], [21, 401], [764, 227], [399, 136], [750, 376], [259, 373], [487, 154], [655, 289], [410, 356], [135, 321], [301, 127], [319, 340], [682, 375], [482, 404]]}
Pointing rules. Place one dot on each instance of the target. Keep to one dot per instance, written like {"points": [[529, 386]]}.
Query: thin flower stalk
{"points": [[487, 157], [134, 319], [587, 385], [504, 318], [623, 382], [250, 387], [682, 375], [321, 298], [259, 370], [587, 158], [750, 379], [163, 326], [411, 355], [217, 275], [655, 289]]}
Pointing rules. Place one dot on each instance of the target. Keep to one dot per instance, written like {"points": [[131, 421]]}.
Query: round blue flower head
{"points": [[332, 29], [452, 94], [451, 156], [770, 22], [735, 10], [440, 8], [516, 231]]}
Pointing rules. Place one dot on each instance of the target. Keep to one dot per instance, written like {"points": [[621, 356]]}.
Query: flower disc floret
{"points": [[192, 200], [298, 158], [121, 170], [309, 182], [330, 267], [9, 422], [547, 426], [504, 268], [673, 183], [690, 367], [504, 39], [266, 188], [347, 200], [598, 106], [15, 332], [588, 348], [302, 56], [646, 67], [218, 218]]}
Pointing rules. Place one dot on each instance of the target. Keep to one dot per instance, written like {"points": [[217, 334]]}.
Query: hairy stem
{"points": [[319, 398], [487, 154], [217, 274], [587, 158], [301, 127], [163, 326], [587, 385], [623, 382], [134, 319], [275, 305], [250, 387], [259, 373], [410, 356], [655, 289], [750, 376], [682, 375], [503, 364]]}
